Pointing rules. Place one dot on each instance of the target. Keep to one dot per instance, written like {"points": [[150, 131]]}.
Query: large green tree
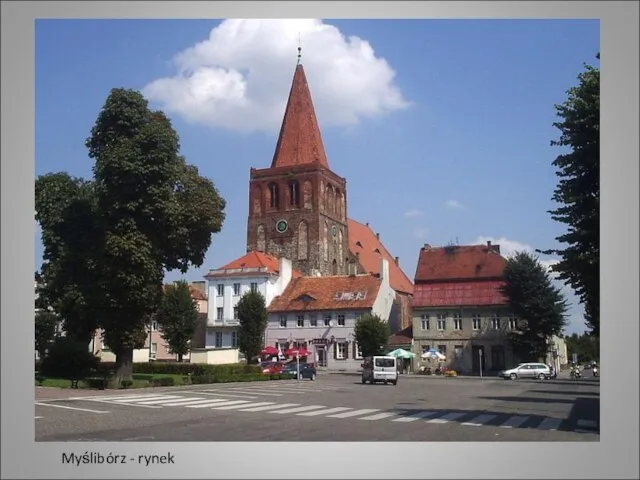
{"points": [[578, 192], [371, 334], [539, 305], [177, 317], [585, 346], [252, 314], [146, 211], [45, 331]]}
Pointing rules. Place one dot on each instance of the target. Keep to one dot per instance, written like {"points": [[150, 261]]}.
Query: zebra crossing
{"points": [[208, 399]]}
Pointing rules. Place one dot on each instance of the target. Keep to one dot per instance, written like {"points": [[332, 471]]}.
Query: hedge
{"points": [[197, 369], [247, 377]]}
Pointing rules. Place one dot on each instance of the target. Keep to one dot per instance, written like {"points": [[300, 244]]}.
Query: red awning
{"points": [[269, 351], [293, 352]]}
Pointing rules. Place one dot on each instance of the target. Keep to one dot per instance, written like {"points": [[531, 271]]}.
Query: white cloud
{"points": [[239, 78], [421, 233], [454, 204], [413, 213]]}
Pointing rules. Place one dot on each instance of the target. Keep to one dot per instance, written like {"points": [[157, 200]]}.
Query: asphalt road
{"points": [[332, 408]]}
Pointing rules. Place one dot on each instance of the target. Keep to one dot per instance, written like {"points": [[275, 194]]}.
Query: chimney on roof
{"points": [[489, 243], [285, 274], [426, 246], [378, 236], [367, 224], [397, 259]]}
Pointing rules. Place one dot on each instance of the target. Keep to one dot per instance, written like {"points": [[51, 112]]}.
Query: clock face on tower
{"points": [[334, 231], [281, 226]]}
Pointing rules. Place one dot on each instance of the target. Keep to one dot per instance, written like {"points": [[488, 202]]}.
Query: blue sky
{"points": [[441, 127]]}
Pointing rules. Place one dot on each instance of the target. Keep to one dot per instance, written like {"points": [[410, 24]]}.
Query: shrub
{"points": [[246, 377], [39, 380], [99, 383], [196, 369], [126, 383], [68, 358], [162, 382]]}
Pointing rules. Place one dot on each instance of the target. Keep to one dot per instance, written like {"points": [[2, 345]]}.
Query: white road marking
{"points": [[169, 398], [414, 417], [299, 409], [234, 407], [114, 403], [324, 412], [176, 403], [379, 416], [220, 394], [110, 397], [550, 423], [150, 400], [355, 413], [248, 391], [193, 401], [38, 417], [215, 402], [479, 420], [514, 422], [447, 418], [70, 408], [274, 407]]}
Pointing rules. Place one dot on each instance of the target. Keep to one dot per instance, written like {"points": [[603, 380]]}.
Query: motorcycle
{"points": [[595, 372], [575, 374]]}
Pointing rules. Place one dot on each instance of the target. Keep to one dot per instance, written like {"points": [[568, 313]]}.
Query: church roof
{"points": [[364, 243], [469, 262], [300, 141]]}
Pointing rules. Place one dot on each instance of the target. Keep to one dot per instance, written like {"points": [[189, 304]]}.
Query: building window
{"points": [[341, 322], [442, 322], [235, 313], [313, 320], [218, 339], [424, 322], [236, 289], [457, 351], [154, 348], [254, 287], [154, 326], [495, 321], [294, 194], [477, 321], [220, 289], [358, 354], [426, 348], [300, 319], [234, 339], [341, 350], [219, 313], [457, 321], [327, 320], [283, 321], [442, 349], [513, 323], [274, 196]]}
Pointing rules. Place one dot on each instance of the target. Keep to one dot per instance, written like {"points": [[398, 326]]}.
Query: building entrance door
{"points": [[322, 356]]}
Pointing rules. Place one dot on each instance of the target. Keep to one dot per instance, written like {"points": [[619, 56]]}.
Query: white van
{"points": [[380, 369]]}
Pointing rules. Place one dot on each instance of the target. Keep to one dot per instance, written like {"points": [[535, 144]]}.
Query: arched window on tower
{"points": [[340, 250], [334, 267], [325, 242], [294, 194], [274, 196], [257, 201]]}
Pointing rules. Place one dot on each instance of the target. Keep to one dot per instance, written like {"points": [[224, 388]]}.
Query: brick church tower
{"points": [[298, 206]]}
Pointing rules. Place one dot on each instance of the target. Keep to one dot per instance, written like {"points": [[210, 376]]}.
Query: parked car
{"points": [[271, 368], [380, 369], [527, 370], [307, 370]]}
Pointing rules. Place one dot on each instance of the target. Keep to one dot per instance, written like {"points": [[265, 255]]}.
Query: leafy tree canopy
{"points": [[177, 317], [252, 314], [371, 334]]}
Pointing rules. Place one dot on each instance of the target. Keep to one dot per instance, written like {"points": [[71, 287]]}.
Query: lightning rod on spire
{"points": [[299, 49]]}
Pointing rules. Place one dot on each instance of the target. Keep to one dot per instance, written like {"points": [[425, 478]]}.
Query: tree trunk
{"points": [[124, 367], [180, 357]]}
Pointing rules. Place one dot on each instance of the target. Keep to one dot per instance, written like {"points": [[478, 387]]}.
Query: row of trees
{"points": [[109, 240]]}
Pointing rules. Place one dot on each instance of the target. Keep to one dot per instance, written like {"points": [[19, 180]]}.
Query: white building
{"points": [[225, 286], [320, 314]]}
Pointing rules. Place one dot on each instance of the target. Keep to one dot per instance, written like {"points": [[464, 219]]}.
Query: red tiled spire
{"points": [[300, 141]]}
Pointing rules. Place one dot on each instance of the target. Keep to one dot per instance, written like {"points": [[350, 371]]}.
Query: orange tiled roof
{"points": [[300, 141], [195, 293], [325, 293], [473, 262], [363, 241], [253, 260], [403, 337]]}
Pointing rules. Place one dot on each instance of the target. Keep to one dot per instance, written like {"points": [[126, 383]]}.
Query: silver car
{"points": [[527, 370]]}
